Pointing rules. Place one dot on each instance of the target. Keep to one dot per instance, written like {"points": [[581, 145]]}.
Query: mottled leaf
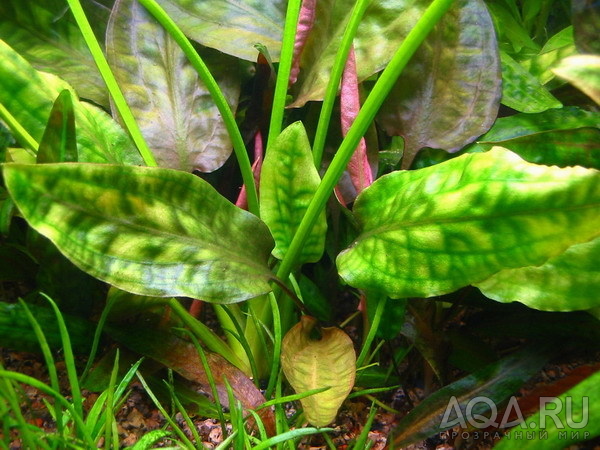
{"points": [[59, 143], [586, 22], [431, 231], [568, 282], [289, 181], [450, 92], [175, 112], [495, 382], [523, 91], [563, 137], [149, 231], [29, 95], [562, 421], [315, 362], [583, 72], [46, 34], [383, 27], [233, 27]]}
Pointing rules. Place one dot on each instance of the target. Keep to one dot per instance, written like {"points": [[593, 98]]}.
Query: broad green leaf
{"points": [[523, 91], [175, 112], [586, 22], [59, 143], [233, 27], [495, 382], [558, 47], [46, 34], [383, 27], [563, 137], [564, 420], [568, 282], [148, 231], [583, 72], [450, 92], [311, 363], [29, 95], [431, 231], [288, 182]]}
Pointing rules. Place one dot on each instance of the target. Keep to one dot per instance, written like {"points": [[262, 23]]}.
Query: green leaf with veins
{"points": [[29, 96], [46, 34], [383, 27], [567, 282], [232, 27], [149, 231], [450, 92], [564, 137], [521, 90], [288, 183], [174, 110], [431, 231]]}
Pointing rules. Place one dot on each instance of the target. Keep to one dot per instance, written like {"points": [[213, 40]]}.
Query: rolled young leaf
{"points": [[431, 231], [289, 181], [175, 111], [310, 363], [149, 231]]}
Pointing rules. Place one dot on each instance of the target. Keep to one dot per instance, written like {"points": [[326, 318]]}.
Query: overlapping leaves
{"points": [[434, 230], [174, 110], [149, 231]]}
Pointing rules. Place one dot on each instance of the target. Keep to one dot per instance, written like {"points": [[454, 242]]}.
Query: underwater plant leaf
{"points": [[288, 183], [522, 91], [383, 27], [29, 96], [232, 27], [583, 72], [564, 137], [47, 36], [148, 231], [59, 143], [329, 361], [567, 282], [586, 23], [450, 92], [175, 112], [431, 231], [495, 382]]}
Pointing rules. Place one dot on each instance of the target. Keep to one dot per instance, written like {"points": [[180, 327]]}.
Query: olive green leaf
{"points": [[512, 35], [288, 182], [29, 96], [382, 29], [233, 27], [431, 231], [311, 363], [451, 90], [59, 143], [149, 231], [448, 406], [583, 72], [568, 282], [562, 421], [175, 112], [564, 137], [523, 91], [46, 34]]}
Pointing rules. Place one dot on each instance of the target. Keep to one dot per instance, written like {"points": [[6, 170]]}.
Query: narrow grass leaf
{"points": [[149, 439], [431, 231], [148, 231], [289, 436]]}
